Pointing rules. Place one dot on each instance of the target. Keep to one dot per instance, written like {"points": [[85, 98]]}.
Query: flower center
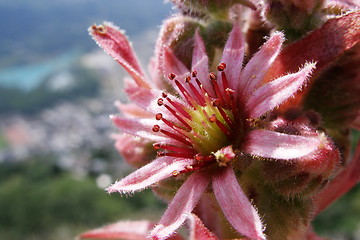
{"points": [[202, 123]]}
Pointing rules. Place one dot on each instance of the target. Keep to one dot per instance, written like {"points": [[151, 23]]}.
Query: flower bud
{"points": [[218, 9], [295, 17], [306, 175], [177, 33]]}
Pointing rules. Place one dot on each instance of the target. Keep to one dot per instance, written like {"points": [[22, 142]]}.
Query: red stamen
{"points": [[164, 94], [171, 76], [212, 76], [179, 107], [225, 86], [160, 101], [199, 97], [156, 128], [221, 67], [187, 79], [216, 88], [167, 122], [176, 137], [223, 128], [225, 116], [180, 155], [178, 117], [160, 154], [216, 103], [194, 73], [184, 92], [157, 146], [177, 149], [212, 118], [158, 116]]}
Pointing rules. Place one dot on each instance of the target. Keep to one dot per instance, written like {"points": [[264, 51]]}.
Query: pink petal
{"points": [[233, 56], [341, 184], [235, 204], [138, 127], [157, 170], [198, 231], [132, 110], [114, 42], [200, 64], [255, 69], [207, 210], [129, 230], [270, 144], [276, 92], [172, 64], [135, 151], [182, 205]]}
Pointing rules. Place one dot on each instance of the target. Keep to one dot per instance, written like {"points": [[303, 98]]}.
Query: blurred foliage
{"points": [[341, 218], [37, 198]]}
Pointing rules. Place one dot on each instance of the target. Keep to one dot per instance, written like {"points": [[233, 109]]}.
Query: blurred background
{"points": [[57, 89]]}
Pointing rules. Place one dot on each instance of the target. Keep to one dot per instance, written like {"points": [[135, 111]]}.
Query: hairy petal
{"points": [[341, 184], [182, 205], [235, 204], [157, 170], [233, 56], [198, 231], [129, 230], [200, 64], [132, 110], [114, 42], [276, 92], [270, 144], [141, 128], [172, 64], [255, 69]]}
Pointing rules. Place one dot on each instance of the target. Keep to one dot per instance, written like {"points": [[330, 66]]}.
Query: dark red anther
{"points": [[194, 73], [156, 128], [160, 154], [158, 116], [212, 118], [187, 79], [171, 76], [212, 76], [164, 94], [221, 67], [160, 101], [199, 157], [157, 146], [216, 102]]}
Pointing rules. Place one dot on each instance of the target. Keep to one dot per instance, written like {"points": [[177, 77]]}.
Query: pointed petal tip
{"points": [[236, 206]]}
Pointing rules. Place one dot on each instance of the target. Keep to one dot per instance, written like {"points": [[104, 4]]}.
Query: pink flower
{"points": [[208, 124]]}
